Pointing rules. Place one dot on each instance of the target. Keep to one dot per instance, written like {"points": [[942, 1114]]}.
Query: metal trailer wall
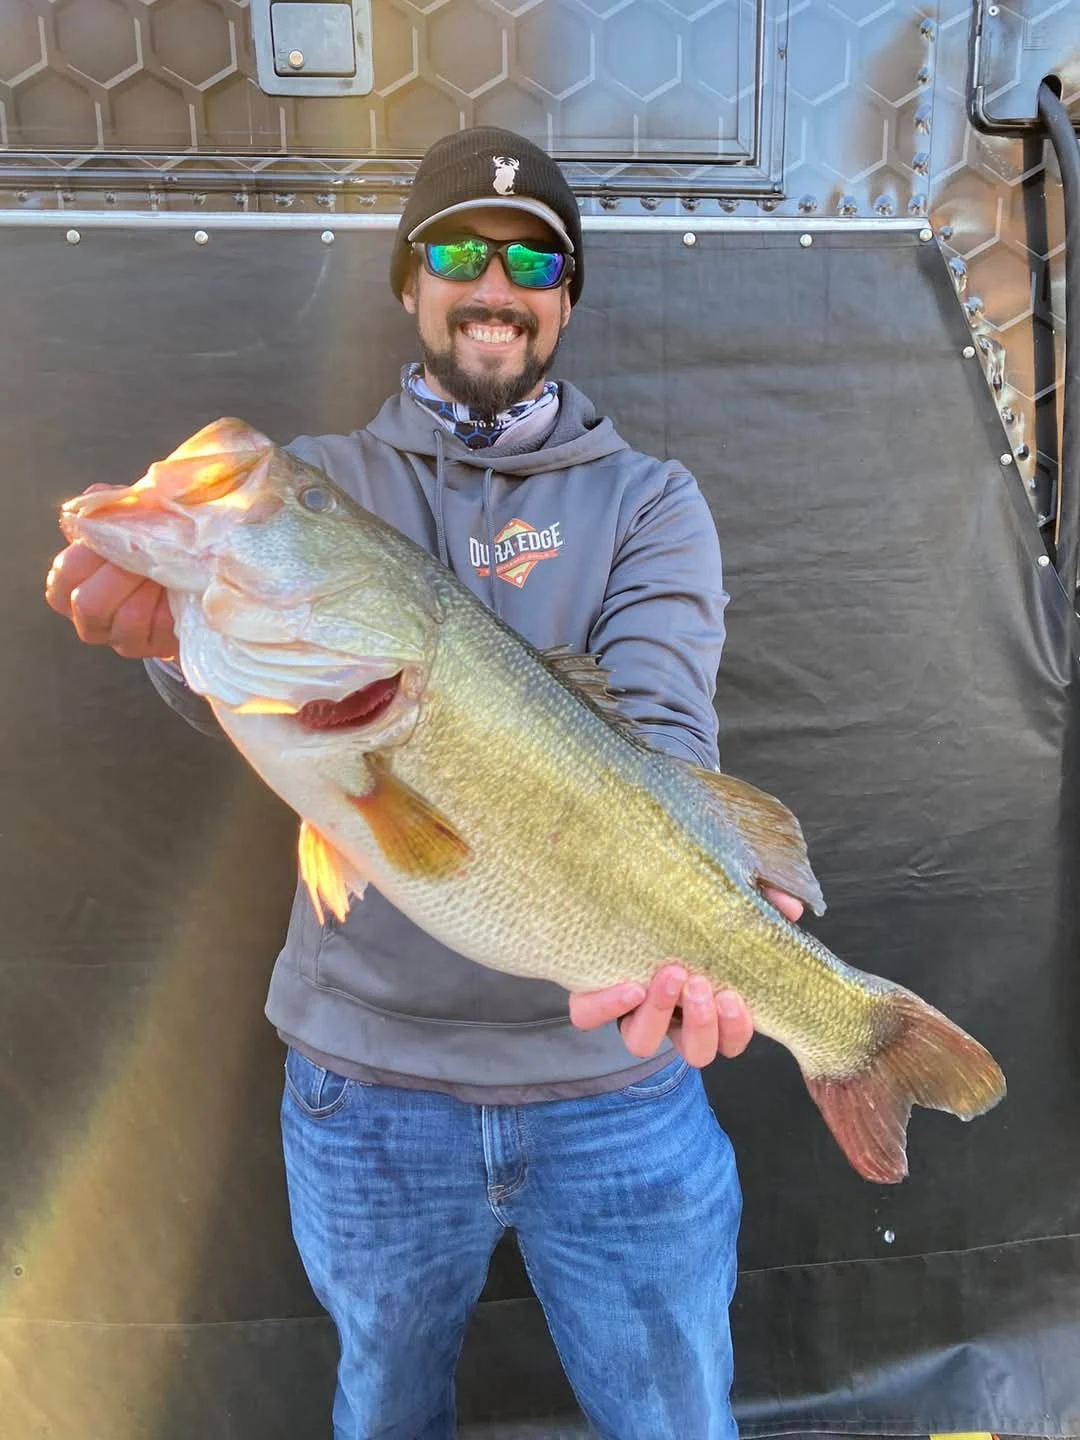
{"points": [[900, 667]]}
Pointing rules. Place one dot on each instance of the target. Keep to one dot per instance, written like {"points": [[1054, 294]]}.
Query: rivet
{"points": [[992, 10], [1006, 459], [296, 59], [806, 241], [327, 237], [968, 352], [808, 205], [925, 235], [889, 1236], [73, 237], [689, 238], [1044, 560], [201, 237]]}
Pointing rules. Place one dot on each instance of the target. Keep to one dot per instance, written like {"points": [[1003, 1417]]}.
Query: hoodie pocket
{"points": [[381, 960]]}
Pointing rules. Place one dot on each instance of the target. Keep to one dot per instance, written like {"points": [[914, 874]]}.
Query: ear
{"points": [[408, 289], [566, 307]]}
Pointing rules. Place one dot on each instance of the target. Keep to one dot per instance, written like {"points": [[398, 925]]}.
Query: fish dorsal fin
{"points": [[583, 673], [772, 834]]}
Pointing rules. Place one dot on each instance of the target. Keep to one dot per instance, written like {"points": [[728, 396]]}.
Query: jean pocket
{"points": [[660, 1082], [317, 1091]]}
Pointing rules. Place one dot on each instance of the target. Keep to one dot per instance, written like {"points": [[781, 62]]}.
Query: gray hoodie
{"points": [[597, 547]]}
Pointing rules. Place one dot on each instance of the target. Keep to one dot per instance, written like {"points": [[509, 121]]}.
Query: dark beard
{"points": [[486, 395]]}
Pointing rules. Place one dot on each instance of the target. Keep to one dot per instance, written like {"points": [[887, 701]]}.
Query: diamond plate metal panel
{"points": [[693, 80]]}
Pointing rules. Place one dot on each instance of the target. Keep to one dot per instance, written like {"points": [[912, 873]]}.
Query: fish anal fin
{"points": [[771, 832], [413, 836], [328, 876], [921, 1058]]}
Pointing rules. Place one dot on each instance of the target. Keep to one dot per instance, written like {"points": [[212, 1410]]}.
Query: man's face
{"points": [[487, 343]]}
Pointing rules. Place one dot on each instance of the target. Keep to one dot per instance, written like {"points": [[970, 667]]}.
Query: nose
{"points": [[494, 287]]}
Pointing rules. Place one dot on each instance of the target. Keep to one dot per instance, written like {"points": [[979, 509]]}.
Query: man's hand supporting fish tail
{"points": [[699, 1023]]}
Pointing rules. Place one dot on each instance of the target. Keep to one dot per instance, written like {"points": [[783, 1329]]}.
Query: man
{"points": [[431, 1103]]}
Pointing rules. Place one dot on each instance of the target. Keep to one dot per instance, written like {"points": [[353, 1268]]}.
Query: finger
{"points": [[70, 569], [788, 906], [162, 631], [133, 620], [696, 1035], [589, 1009], [735, 1024], [644, 1029], [95, 602]]}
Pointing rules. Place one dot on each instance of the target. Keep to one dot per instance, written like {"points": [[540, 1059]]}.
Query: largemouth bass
{"points": [[386, 705]]}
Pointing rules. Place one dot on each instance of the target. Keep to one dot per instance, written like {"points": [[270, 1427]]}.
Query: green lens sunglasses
{"points": [[533, 267]]}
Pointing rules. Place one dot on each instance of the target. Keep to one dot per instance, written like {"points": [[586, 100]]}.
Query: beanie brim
{"points": [[529, 207]]}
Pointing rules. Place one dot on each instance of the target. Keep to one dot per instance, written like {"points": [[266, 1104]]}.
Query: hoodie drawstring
{"points": [[440, 516], [440, 496], [489, 524]]}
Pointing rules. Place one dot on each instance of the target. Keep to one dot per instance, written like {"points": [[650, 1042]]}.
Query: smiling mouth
{"points": [[362, 707], [491, 334]]}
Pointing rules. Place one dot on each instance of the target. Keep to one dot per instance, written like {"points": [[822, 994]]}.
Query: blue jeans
{"points": [[626, 1208]]}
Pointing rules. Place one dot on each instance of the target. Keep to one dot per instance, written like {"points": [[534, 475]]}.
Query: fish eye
{"points": [[316, 498]]}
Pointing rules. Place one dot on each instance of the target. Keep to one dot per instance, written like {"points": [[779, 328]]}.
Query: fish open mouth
{"points": [[361, 707]]}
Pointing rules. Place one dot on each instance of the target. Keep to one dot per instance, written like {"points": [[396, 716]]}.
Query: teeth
{"points": [[489, 335]]}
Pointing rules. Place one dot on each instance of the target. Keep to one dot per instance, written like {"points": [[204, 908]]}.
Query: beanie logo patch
{"points": [[506, 170]]}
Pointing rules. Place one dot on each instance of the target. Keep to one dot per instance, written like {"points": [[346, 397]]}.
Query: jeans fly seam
{"points": [[497, 1190]]}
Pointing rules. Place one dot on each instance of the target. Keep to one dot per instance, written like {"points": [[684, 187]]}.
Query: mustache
{"points": [[473, 314]]}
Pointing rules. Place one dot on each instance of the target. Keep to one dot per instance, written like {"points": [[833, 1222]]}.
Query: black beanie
{"points": [[488, 166]]}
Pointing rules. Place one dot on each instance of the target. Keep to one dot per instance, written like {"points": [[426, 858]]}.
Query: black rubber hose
{"points": [[1067, 147]]}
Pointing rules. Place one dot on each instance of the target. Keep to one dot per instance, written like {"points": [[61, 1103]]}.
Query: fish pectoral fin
{"points": [[771, 832], [412, 835], [327, 874], [918, 1057]]}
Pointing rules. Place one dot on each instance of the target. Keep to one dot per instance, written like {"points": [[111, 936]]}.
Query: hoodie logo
{"points": [[519, 548], [505, 174]]}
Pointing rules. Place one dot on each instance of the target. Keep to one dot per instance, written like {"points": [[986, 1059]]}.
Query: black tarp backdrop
{"points": [[900, 669]]}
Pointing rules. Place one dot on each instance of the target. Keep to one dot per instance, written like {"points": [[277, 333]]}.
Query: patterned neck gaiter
{"points": [[478, 432]]}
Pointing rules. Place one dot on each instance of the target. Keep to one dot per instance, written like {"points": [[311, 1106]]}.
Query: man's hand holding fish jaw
{"points": [[110, 606], [708, 1024]]}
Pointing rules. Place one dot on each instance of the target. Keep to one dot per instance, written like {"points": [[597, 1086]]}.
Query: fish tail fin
{"points": [[919, 1058]]}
